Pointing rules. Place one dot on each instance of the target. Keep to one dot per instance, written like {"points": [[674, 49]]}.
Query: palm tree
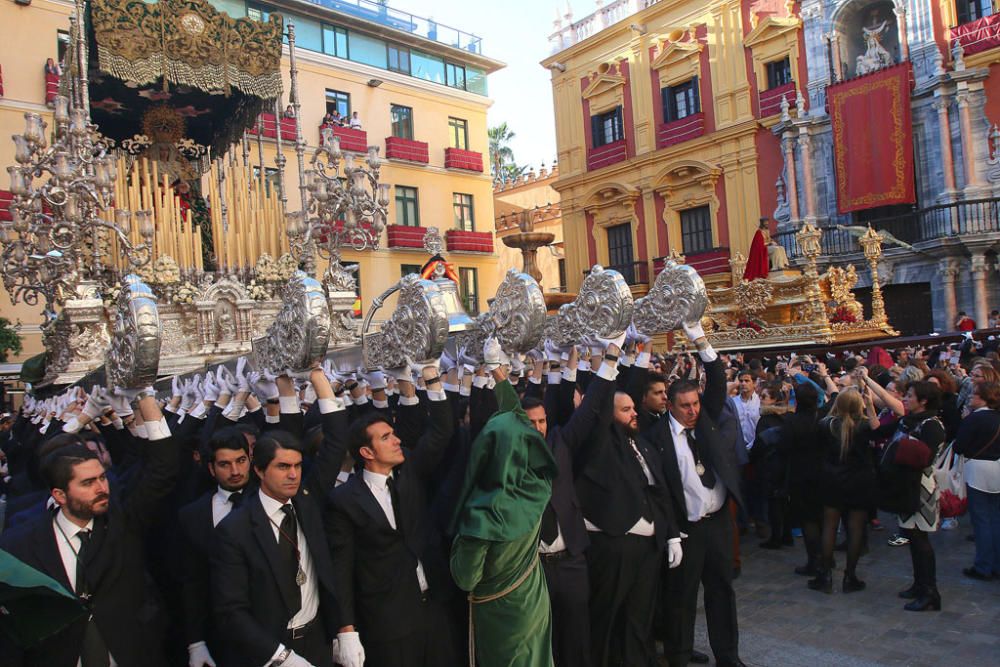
{"points": [[500, 151]]}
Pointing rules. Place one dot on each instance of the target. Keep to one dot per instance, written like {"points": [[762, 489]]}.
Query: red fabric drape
{"points": [[873, 139], [978, 35], [757, 262]]}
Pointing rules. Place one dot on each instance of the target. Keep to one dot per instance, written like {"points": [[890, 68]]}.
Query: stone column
{"points": [[807, 176], [948, 270], [838, 73], [904, 46], [978, 266], [968, 150], [944, 135], [788, 143]]}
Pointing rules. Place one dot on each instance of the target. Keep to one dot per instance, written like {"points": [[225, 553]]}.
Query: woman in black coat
{"points": [[801, 444], [771, 465], [847, 482]]}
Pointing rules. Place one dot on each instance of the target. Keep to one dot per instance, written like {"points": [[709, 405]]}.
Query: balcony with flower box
{"points": [[350, 139], [707, 263], [457, 158], [271, 124], [6, 199], [607, 154], [404, 236], [678, 131], [770, 100], [459, 240], [397, 148]]}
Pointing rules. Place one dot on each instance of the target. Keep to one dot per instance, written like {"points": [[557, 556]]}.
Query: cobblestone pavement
{"points": [[784, 624]]}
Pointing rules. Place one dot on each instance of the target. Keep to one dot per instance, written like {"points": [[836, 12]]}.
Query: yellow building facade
{"points": [[662, 127], [419, 90]]}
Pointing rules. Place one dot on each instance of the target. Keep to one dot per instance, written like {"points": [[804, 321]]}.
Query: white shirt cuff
{"points": [[288, 405], [381, 405], [708, 354], [608, 372], [480, 381], [438, 395], [554, 378], [453, 388], [569, 374], [642, 360], [272, 419], [157, 430], [329, 405], [281, 647], [409, 400]]}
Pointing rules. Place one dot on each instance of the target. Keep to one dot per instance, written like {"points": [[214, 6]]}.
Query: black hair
{"points": [[57, 467], [681, 387], [530, 403], [850, 364], [654, 378], [744, 371], [927, 391], [227, 438], [806, 398], [357, 434], [267, 446]]}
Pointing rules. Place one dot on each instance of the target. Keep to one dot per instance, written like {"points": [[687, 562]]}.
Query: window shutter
{"points": [[697, 95], [595, 131]]}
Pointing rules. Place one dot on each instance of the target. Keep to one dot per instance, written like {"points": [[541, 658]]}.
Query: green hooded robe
{"points": [[495, 555]]}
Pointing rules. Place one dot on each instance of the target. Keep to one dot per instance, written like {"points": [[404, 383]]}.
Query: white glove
{"points": [[674, 553], [242, 383], [296, 660], [352, 653], [618, 341], [693, 331], [225, 380], [418, 368], [210, 390], [189, 395], [447, 361], [121, 403], [516, 365], [493, 355], [375, 379], [264, 386], [636, 335], [552, 351], [175, 386], [198, 656]]}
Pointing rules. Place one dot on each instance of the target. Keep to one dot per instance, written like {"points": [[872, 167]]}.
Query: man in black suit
{"points": [[702, 475], [271, 574], [95, 548], [389, 569], [623, 495]]}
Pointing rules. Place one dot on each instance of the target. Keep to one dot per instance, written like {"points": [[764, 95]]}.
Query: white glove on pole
{"points": [[493, 355], [618, 341], [296, 660], [674, 553], [352, 653], [198, 655]]}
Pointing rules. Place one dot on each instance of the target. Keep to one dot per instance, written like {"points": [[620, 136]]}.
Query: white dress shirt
{"points": [[558, 544], [377, 484], [749, 414], [983, 475], [699, 500], [221, 507], [309, 591], [642, 527], [69, 543]]}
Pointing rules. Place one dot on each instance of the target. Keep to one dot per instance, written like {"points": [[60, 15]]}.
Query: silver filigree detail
{"points": [[134, 354], [677, 296], [432, 241], [602, 308], [300, 333], [516, 318], [417, 329]]}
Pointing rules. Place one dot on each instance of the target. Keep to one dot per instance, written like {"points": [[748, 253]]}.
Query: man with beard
{"points": [[94, 548], [630, 521], [229, 465]]}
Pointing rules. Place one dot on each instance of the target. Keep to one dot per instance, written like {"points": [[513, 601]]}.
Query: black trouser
{"points": [[707, 561], [569, 593], [624, 575], [923, 558], [312, 645], [430, 645]]}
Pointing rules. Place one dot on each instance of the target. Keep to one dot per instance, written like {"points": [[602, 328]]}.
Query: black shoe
{"points": [[822, 582], [699, 658], [737, 571], [852, 584], [769, 544], [929, 599], [910, 593], [807, 570], [973, 573]]}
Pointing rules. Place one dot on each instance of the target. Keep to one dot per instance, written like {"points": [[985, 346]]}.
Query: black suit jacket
{"points": [[714, 446], [374, 564], [115, 569], [609, 482]]}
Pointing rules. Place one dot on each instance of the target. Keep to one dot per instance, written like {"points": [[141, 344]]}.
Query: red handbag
{"points": [[912, 453]]}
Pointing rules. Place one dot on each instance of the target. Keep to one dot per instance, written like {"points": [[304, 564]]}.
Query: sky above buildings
{"points": [[515, 32]]}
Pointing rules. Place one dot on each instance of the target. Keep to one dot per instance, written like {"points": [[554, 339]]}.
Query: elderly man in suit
{"points": [[388, 566], [702, 474], [94, 547], [272, 577]]}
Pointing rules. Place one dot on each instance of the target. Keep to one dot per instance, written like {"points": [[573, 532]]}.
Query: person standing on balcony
{"points": [[355, 122], [964, 322]]}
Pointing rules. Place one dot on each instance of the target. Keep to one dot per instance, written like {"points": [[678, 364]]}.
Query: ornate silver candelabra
{"points": [[60, 192]]}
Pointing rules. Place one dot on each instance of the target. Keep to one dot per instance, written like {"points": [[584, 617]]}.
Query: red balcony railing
{"points": [[706, 263], [406, 149], [460, 240], [271, 124], [770, 100], [677, 131], [5, 200], [51, 87], [606, 155], [402, 236], [457, 158], [979, 35], [350, 139]]}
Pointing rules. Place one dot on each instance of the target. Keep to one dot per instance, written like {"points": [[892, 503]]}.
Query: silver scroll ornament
{"points": [[300, 333], [677, 297], [516, 318], [417, 329], [134, 354], [602, 308]]}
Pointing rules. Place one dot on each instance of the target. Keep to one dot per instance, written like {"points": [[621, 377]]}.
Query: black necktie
{"points": [[707, 477], [288, 544], [93, 651], [550, 526], [236, 499], [394, 497]]}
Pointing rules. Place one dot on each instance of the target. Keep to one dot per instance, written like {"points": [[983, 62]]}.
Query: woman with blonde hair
{"points": [[848, 483]]}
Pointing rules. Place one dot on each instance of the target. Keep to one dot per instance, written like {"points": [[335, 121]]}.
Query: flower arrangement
{"points": [[747, 323], [266, 270], [287, 266], [843, 314], [257, 291], [186, 293], [166, 271], [111, 296]]}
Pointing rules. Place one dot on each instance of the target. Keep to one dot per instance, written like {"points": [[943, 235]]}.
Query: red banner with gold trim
{"points": [[873, 139]]}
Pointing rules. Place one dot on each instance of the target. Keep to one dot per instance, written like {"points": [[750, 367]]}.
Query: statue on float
{"points": [[876, 56]]}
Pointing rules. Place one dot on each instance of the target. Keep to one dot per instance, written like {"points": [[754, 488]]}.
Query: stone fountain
{"points": [[528, 241]]}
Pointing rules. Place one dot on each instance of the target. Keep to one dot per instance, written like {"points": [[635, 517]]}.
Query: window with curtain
{"points": [[458, 130], [696, 230], [680, 101], [407, 206], [338, 101], [972, 10], [779, 73], [463, 212], [606, 128], [620, 256], [468, 279], [335, 41], [454, 75], [402, 121], [399, 58]]}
